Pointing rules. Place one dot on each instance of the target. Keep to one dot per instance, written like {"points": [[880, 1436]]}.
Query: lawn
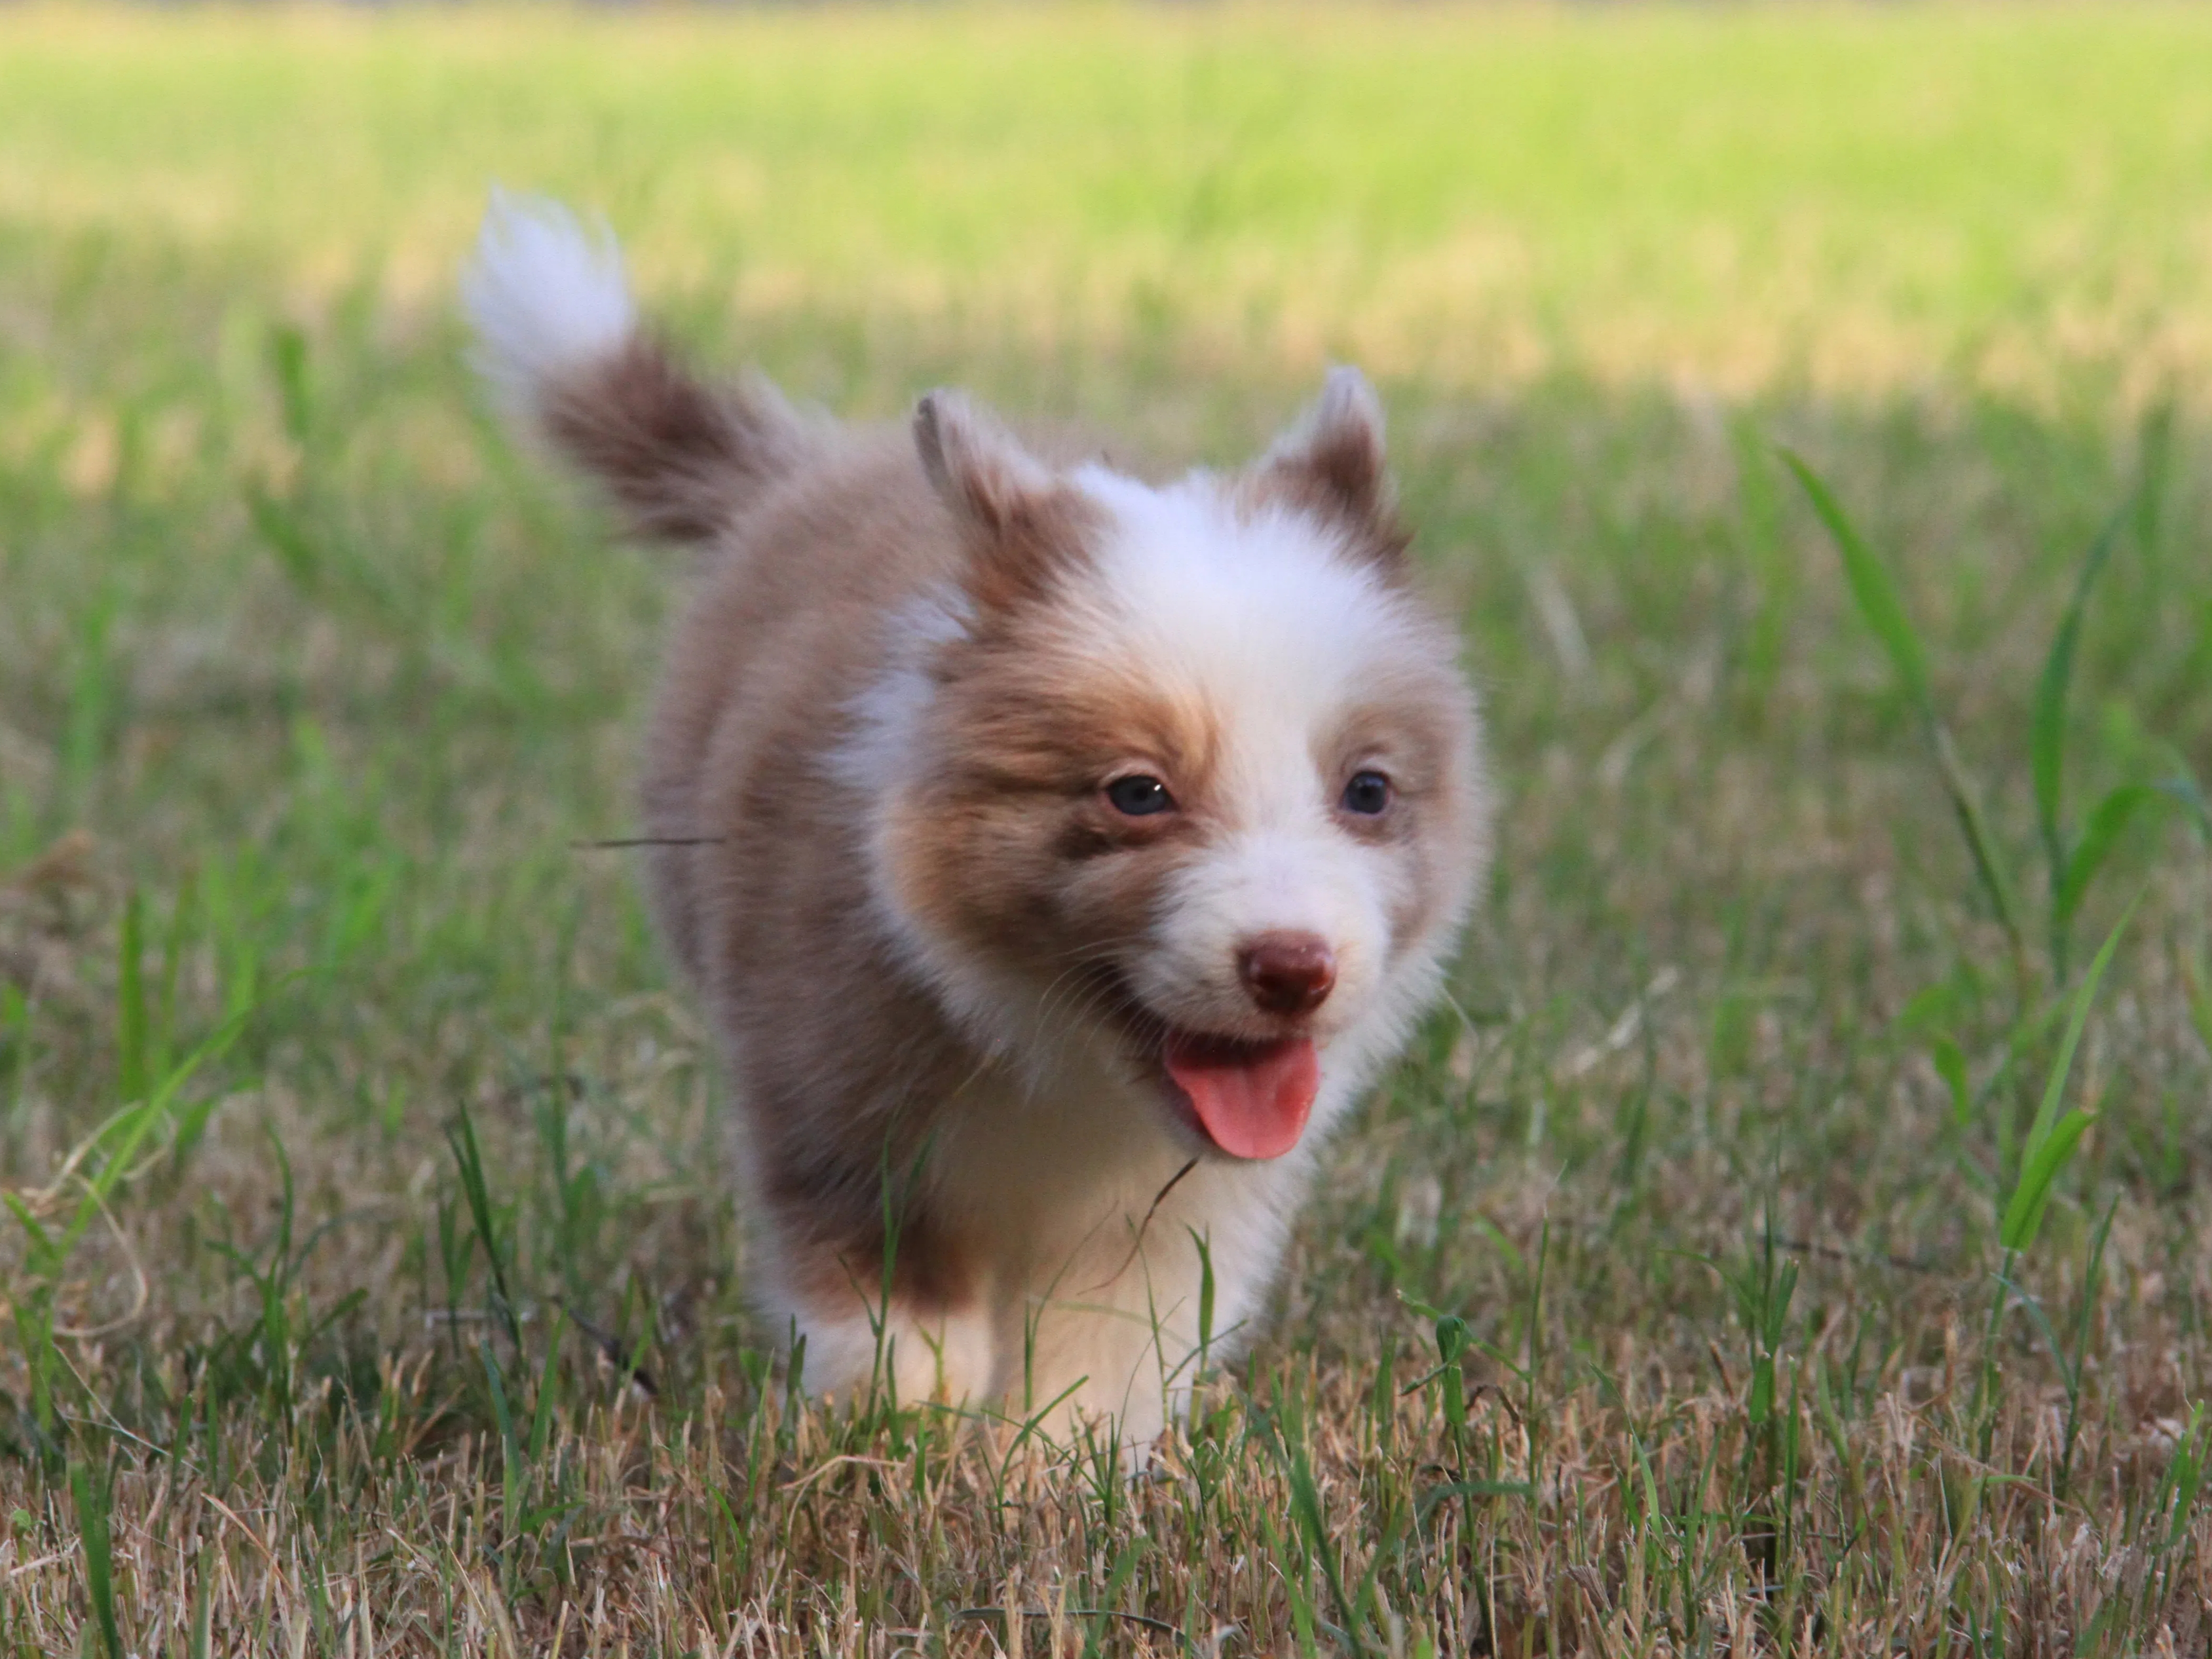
{"points": [[1720, 1272]]}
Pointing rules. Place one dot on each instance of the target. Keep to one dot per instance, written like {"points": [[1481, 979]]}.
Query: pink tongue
{"points": [[1251, 1099]]}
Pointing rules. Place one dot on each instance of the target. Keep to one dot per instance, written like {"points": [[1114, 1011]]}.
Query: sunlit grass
{"points": [[1726, 1268], [2011, 196]]}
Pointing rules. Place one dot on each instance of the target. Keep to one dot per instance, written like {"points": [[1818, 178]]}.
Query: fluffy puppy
{"points": [[1058, 856]]}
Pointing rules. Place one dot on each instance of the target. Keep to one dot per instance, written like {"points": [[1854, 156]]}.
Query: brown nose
{"points": [[1288, 972]]}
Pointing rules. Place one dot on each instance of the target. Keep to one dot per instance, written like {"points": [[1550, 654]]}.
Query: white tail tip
{"points": [[545, 296]]}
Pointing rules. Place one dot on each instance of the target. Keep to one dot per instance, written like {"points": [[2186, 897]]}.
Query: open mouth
{"points": [[1250, 1099]]}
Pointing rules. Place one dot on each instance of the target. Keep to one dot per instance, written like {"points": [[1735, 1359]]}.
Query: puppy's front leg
{"points": [[922, 1332], [941, 1355]]}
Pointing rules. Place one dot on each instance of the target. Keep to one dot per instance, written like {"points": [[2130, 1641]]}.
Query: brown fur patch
{"points": [[679, 458], [1034, 731]]}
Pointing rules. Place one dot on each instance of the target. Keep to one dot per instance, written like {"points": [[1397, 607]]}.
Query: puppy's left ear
{"points": [[1330, 464]]}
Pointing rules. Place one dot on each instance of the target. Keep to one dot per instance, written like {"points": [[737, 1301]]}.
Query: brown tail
{"points": [[682, 459], [558, 340]]}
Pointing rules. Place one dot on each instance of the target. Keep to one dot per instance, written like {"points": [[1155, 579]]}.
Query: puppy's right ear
{"points": [[978, 467], [1023, 518]]}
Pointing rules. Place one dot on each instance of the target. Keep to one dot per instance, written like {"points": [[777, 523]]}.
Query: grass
{"points": [[1794, 1236]]}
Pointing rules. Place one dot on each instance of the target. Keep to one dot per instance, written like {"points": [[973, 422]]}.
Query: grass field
{"points": [[371, 1287]]}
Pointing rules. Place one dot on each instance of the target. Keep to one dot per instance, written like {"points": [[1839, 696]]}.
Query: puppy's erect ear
{"points": [[978, 467], [1023, 518], [1330, 464]]}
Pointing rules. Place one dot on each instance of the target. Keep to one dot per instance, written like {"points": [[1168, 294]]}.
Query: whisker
{"points": [[1099, 947], [647, 840]]}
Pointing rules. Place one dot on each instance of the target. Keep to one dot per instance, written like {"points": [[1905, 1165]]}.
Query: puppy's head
{"points": [[1187, 776]]}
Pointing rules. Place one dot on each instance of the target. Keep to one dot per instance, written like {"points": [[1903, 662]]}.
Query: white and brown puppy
{"points": [[1037, 833]]}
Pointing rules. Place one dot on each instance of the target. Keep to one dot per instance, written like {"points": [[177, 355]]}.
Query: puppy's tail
{"points": [[559, 344]]}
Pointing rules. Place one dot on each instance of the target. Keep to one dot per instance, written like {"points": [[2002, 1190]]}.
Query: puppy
{"points": [[1058, 856]]}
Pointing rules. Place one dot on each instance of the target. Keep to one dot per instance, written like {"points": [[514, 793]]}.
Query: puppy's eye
{"points": [[1367, 793], [1140, 796]]}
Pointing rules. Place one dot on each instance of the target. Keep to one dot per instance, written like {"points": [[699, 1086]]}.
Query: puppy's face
{"points": [[1195, 780]]}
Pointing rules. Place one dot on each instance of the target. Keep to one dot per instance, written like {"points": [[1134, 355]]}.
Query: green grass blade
{"points": [[1305, 1506], [510, 1461], [1883, 607], [131, 1004], [499, 1406], [1204, 1244], [287, 361], [131, 1126], [15, 1022], [2047, 728], [2187, 1473], [2023, 1216], [2106, 825], [1950, 1063], [279, 526], [162, 1030], [468, 1160], [202, 1608], [2020, 1294], [2077, 1016], [541, 1424], [99, 1554], [41, 1243], [1981, 844], [2052, 1140], [1872, 586]]}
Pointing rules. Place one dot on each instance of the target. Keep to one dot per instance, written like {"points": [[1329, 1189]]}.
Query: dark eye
{"points": [[1139, 797], [1367, 793]]}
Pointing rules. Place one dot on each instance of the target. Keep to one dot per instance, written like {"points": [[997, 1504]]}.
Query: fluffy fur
{"points": [[957, 984]]}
